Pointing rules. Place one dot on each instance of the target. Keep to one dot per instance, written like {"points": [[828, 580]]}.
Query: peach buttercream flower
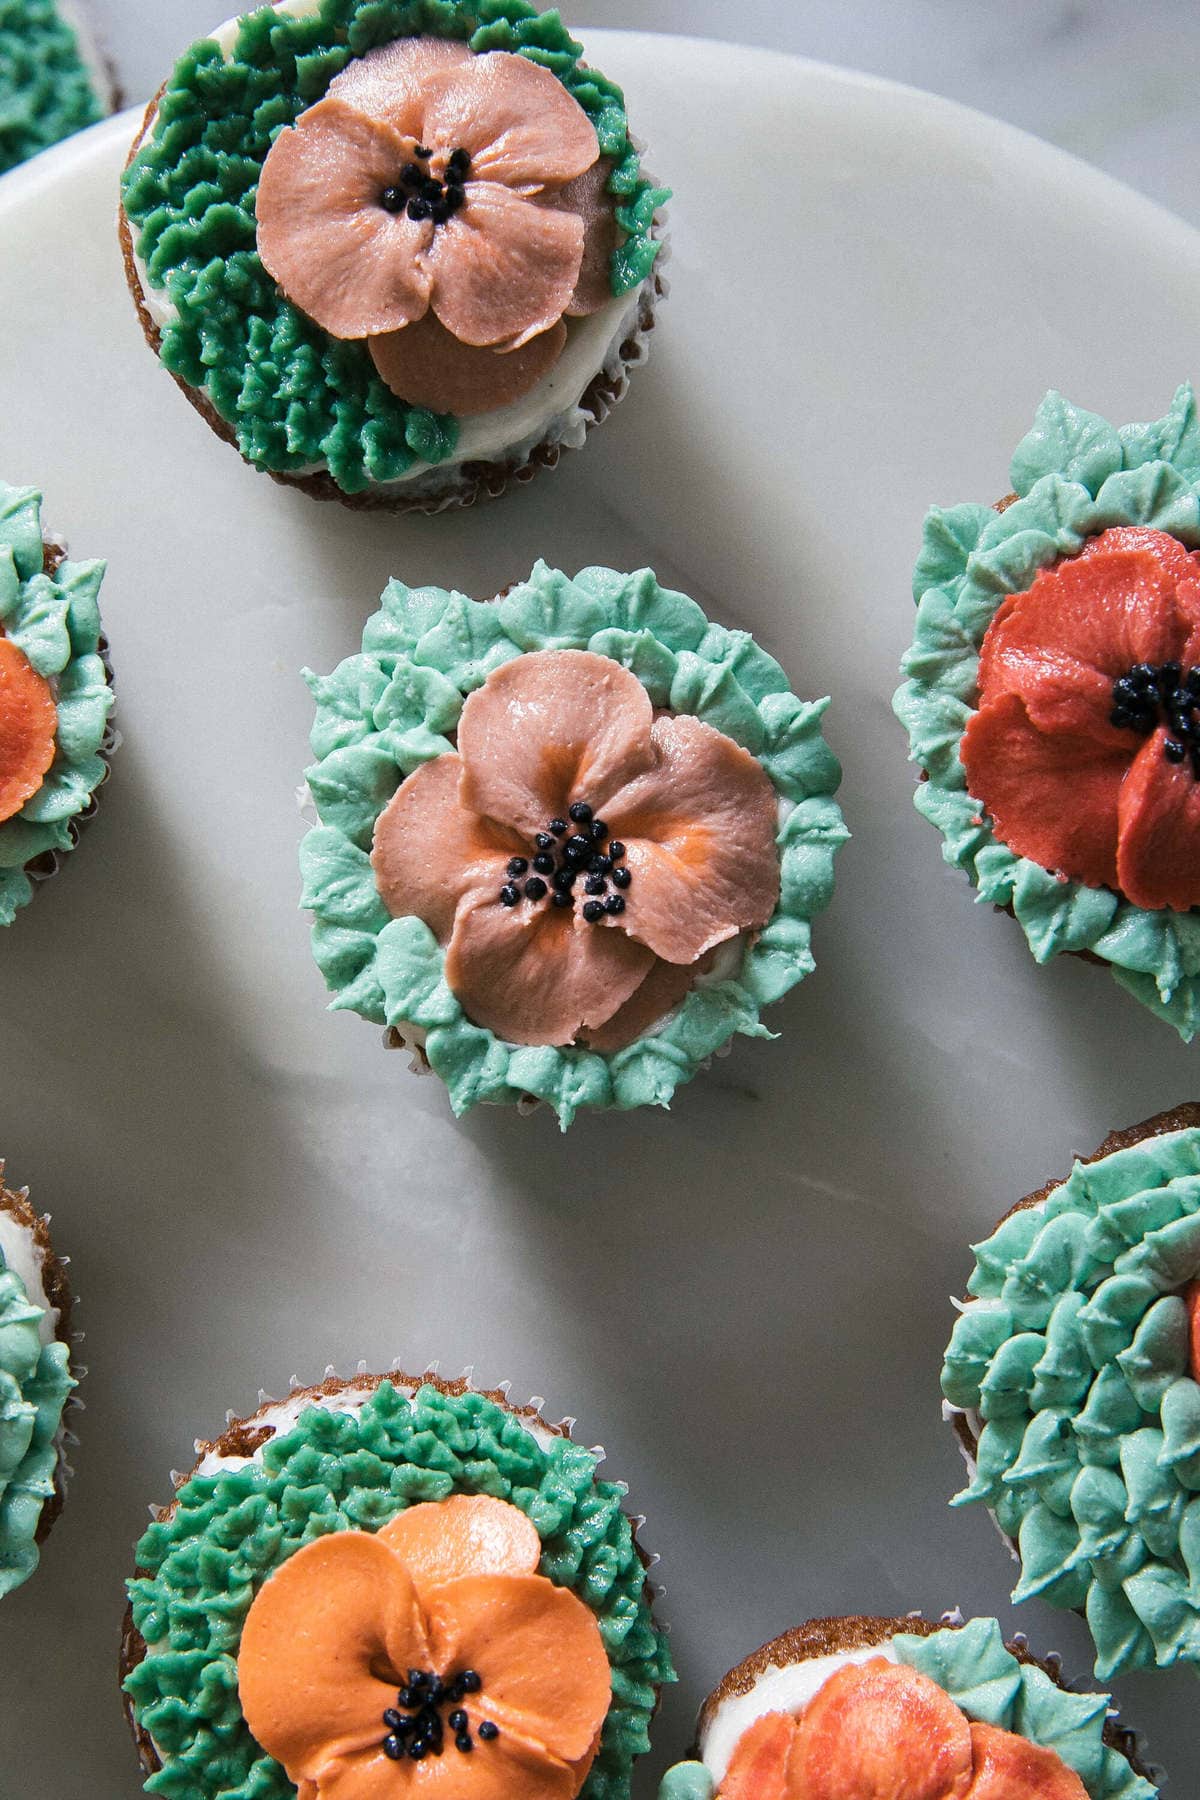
{"points": [[447, 207], [427, 1659], [878, 1729], [577, 856]]}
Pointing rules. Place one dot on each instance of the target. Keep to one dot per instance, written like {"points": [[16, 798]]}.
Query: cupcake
{"points": [[1071, 1381], [571, 839], [1053, 696], [53, 79], [383, 1572], [398, 256], [857, 1706], [35, 1384], [55, 698]]}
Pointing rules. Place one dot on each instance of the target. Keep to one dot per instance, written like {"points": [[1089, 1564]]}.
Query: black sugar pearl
{"points": [[463, 1742], [509, 895], [557, 826], [595, 884], [578, 846], [439, 212], [471, 1680], [411, 175], [621, 878], [1174, 751], [616, 850], [487, 1730], [457, 1721], [599, 865], [421, 151], [563, 880], [419, 209], [1192, 681], [544, 841], [614, 904], [581, 812], [517, 865], [535, 888], [398, 1721], [393, 199], [459, 160], [543, 863], [593, 910], [599, 829], [1169, 672], [393, 1747], [419, 1750], [454, 199], [562, 898], [435, 1683]]}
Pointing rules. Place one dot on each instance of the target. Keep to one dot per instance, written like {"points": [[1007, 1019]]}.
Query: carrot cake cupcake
{"points": [[53, 79], [1053, 696], [572, 840], [386, 1584], [35, 1384], [1072, 1380], [397, 255], [55, 698], [856, 1706]]}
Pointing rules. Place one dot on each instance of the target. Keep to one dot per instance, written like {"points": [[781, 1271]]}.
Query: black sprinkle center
{"points": [[420, 193], [415, 1726], [571, 851], [1154, 694]]}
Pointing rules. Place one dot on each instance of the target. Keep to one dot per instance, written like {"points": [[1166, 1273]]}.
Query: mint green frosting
{"points": [[972, 1664], [46, 88], [200, 1568], [1075, 1358], [396, 705], [35, 1380], [293, 395], [56, 622], [1076, 476]]}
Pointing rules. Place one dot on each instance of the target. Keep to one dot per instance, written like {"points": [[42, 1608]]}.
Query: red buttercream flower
{"points": [[695, 814], [879, 1731], [1085, 749]]}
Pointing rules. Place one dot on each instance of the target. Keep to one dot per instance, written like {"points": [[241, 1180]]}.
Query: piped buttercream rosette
{"points": [[574, 837], [1053, 696]]}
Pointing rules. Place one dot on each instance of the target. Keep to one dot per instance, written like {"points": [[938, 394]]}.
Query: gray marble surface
{"points": [[1113, 83]]}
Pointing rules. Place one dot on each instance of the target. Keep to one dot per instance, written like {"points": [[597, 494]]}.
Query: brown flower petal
{"points": [[661, 992], [430, 849], [588, 196], [322, 234], [1159, 822], [503, 269], [427, 366], [394, 82], [514, 119]]}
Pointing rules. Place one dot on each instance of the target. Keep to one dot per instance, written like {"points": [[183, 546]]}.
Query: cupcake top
{"points": [[574, 837], [850, 1706], [35, 1381], [54, 696], [356, 224], [47, 87], [1053, 698], [393, 1581], [1075, 1373]]}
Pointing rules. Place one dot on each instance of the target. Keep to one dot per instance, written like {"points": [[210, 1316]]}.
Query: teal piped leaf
{"points": [[1067, 441], [551, 612], [1154, 494], [950, 534], [41, 630]]}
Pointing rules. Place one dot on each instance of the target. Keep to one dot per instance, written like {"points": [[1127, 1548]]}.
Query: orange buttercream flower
{"points": [[447, 207], [428, 1658], [877, 1730], [693, 814], [1085, 749], [28, 728]]}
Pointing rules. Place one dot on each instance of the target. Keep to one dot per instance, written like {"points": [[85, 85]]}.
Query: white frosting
{"points": [[549, 413], [780, 1688], [26, 1261]]}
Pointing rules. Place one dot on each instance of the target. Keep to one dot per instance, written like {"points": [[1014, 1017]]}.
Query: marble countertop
{"points": [[1081, 73]]}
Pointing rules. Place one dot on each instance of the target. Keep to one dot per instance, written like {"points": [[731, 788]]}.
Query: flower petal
{"points": [[588, 196], [537, 974], [319, 1635], [427, 366], [468, 1534], [28, 727], [664, 987], [515, 120], [700, 834], [394, 82], [508, 1766], [1051, 797], [758, 1768], [430, 849], [538, 1650], [549, 728], [879, 1731], [322, 234], [1008, 1767], [503, 269], [1158, 842], [1084, 622]]}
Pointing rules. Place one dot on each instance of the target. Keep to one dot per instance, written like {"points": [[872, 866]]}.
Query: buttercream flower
{"points": [[577, 855], [428, 1658], [1085, 749], [877, 1729], [438, 203]]}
